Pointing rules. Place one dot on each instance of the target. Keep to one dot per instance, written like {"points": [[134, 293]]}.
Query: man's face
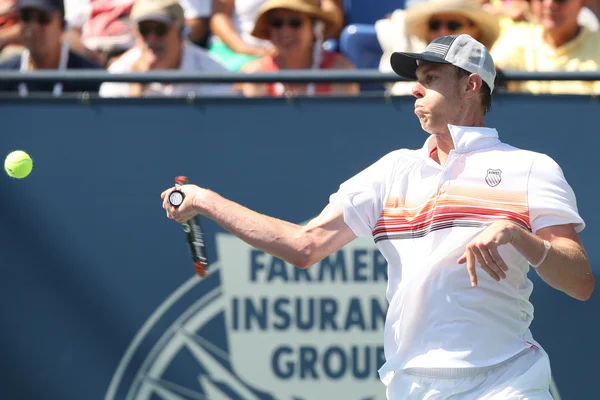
{"points": [[438, 95], [40, 31], [557, 15], [163, 40]]}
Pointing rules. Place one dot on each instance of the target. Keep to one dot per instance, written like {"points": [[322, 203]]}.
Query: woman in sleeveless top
{"points": [[295, 27]]}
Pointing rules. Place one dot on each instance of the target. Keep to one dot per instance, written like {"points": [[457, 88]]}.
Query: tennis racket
{"points": [[193, 231]]}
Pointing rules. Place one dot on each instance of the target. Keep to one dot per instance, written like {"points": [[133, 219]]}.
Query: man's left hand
{"points": [[483, 249]]}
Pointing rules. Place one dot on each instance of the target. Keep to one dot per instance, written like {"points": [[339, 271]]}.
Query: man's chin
{"points": [[158, 64], [285, 51], [36, 48], [424, 123]]}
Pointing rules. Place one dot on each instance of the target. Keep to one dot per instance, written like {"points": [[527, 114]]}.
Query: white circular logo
{"points": [[176, 198]]}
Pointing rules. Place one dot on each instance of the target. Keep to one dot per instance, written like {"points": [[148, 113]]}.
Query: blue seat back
{"points": [[369, 11], [358, 42]]}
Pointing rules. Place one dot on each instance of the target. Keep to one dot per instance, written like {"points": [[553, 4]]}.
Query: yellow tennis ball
{"points": [[18, 164]]}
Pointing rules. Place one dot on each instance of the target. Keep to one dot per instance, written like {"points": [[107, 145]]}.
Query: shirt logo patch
{"points": [[493, 177]]}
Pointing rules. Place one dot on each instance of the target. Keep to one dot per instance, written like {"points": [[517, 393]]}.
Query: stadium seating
{"points": [[369, 11], [359, 43], [364, 12]]}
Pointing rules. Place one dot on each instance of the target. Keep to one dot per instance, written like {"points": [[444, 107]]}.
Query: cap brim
{"points": [[158, 17], [37, 5], [405, 64]]}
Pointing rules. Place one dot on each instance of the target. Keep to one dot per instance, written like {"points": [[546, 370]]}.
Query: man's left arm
{"points": [[554, 218], [566, 266]]}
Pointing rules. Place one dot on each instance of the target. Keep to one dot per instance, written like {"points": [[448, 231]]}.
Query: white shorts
{"points": [[524, 377]]}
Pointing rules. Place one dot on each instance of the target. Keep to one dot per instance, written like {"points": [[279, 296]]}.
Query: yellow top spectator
{"points": [[533, 49]]}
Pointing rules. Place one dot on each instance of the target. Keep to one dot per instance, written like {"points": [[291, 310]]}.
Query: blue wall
{"points": [[87, 255]]}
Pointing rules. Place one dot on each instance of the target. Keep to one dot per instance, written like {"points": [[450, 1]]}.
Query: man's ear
{"points": [[473, 85]]}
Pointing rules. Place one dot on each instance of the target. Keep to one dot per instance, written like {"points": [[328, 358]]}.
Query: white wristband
{"points": [[547, 247]]}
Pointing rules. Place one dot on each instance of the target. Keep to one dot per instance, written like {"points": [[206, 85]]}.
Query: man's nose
{"points": [[417, 90], [444, 31], [151, 38]]}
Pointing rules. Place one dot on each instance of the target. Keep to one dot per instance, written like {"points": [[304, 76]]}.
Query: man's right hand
{"points": [[144, 62], [193, 202]]}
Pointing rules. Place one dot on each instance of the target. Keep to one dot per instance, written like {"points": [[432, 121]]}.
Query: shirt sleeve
{"points": [[551, 200], [363, 196]]}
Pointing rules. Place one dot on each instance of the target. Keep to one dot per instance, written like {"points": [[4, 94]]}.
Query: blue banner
{"points": [[98, 294]]}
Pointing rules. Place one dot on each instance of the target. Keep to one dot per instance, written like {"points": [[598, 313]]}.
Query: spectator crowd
{"points": [[252, 36]]}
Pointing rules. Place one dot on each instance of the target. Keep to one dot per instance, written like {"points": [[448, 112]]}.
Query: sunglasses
{"points": [[278, 23], [451, 25], [28, 15], [158, 30]]}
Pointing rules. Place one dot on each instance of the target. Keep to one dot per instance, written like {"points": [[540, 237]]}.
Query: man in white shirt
{"points": [[462, 204], [161, 45]]}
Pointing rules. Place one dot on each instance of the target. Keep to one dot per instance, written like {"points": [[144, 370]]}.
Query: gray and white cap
{"points": [[460, 50]]}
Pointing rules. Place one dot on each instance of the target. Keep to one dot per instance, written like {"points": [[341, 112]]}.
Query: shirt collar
{"points": [[466, 139], [570, 46]]}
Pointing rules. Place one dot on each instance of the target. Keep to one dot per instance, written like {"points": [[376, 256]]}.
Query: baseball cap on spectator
{"points": [[49, 6], [459, 50], [165, 11]]}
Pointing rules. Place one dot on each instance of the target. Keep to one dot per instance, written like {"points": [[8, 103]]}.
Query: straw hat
{"points": [[418, 16], [310, 7]]}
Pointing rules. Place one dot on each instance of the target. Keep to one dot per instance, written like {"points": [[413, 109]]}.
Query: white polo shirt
{"points": [[421, 216]]}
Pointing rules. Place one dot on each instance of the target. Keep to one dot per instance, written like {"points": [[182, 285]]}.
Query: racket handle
{"points": [[192, 229]]}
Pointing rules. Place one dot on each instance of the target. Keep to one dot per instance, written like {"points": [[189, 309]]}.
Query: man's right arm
{"points": [[299, 245]]}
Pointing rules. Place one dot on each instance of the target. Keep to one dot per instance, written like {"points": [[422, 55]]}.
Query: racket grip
{"points": [[193, 231]]}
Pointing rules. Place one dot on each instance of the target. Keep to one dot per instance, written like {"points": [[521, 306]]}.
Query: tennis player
{"points": [[459, 221]]}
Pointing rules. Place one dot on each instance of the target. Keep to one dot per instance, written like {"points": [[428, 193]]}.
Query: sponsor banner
{"points": [[302, 333]]}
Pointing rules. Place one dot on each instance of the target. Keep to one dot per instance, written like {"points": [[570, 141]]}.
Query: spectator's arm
{"points": [[76, 44], [342, 62], [198, 29], [222, 26], [77, 14], [10, 36], [197, 13], [336, 8], [251, 89]]}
